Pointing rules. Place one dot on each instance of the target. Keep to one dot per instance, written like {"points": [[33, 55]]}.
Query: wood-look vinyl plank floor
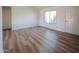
{"points": [[40, 40]]}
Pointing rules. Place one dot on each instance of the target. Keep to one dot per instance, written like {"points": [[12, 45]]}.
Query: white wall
{"points": [[1, 41], [72, 20], [60, 12], [23, 17], [63, 14], [6, 11]]}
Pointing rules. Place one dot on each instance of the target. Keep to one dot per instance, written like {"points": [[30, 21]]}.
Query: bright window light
{"points": [[50, 16]]}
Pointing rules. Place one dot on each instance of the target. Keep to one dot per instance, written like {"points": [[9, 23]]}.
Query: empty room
{"points": [[40, 29]]}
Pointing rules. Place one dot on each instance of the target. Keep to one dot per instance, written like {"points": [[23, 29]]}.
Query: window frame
{"points": [[50, 17]]}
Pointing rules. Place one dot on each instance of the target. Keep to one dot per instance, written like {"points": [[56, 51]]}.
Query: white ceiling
{"points": [[38, 7], [41, 7]]}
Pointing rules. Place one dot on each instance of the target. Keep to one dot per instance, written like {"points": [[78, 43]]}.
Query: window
{"points": [[50, 16]]}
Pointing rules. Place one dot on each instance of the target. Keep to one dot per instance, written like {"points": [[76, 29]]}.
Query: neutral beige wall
{"points": [[6, 17]]}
